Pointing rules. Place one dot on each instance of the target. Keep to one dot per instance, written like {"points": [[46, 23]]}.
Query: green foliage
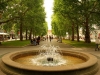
{"points": [[8, 27], [60, 20], [76, 13], [3, 4], [35, 16], [28, 12]]}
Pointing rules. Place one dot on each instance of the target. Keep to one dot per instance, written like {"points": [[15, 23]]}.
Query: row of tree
{"points": [[24, 16], [71, 15]]}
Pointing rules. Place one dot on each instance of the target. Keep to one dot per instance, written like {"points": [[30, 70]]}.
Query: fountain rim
{"points": [[7, 60]]}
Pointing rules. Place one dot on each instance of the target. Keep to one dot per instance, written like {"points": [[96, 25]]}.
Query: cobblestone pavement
{"points": [[55, 43]]}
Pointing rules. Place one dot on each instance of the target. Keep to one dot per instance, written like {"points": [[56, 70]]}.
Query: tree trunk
{"points": [[30, 34], [60, 39], [87, 32], [21, 25], [0, 43], [73, 32], [77, 29], [26, 33]]}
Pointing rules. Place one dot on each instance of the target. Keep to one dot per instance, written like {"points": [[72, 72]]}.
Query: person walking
{"points": [[47, 38], [50, 38], [97, 44]]}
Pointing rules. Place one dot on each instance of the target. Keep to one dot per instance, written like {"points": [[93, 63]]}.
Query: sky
{"points": [[48, 4]]}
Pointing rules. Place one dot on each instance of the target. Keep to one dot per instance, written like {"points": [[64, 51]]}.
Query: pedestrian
{"points": [[31, 41], [50, 38], [34, 42], [38, 40], [97, 44], [47, 38]]}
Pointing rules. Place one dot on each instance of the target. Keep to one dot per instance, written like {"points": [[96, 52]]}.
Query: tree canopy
{"points": [[76, 14], [25, 15]]}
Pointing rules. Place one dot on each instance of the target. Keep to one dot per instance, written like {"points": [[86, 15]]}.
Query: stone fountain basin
{"points": [[90, 61]]}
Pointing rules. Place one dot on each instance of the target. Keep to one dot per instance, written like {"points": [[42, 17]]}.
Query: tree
{"points": [[26, 14], [79, 13]]}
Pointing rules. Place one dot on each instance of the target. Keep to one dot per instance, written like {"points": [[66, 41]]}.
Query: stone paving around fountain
{"points": [[55, 43]]}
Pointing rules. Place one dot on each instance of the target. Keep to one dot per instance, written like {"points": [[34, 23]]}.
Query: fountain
{"points": [[49, 56], [49, 60]]}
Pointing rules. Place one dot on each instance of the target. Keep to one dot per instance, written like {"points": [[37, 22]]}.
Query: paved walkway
{"points": [[55, 43]]}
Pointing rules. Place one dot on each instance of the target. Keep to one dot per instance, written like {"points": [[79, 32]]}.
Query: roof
{"points": [[4, 34]]}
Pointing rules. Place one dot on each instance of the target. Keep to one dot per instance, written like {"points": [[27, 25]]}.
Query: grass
{"points": [[19, 43], [79, 44], [16, 43]]}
